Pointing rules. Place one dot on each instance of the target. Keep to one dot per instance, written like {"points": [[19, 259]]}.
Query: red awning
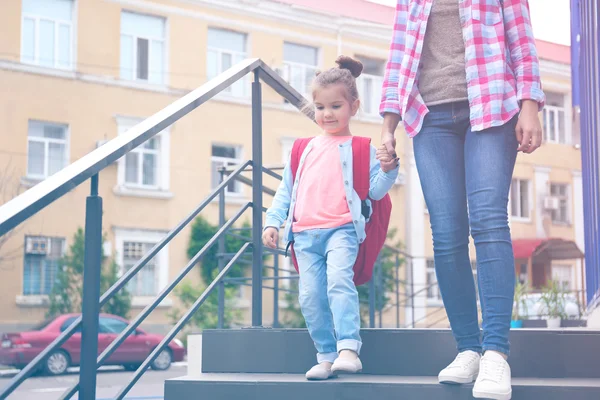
{"points": [[524, 248], [550, 248]]}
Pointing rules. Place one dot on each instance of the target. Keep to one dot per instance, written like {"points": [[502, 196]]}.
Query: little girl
{"points": [[324, 220]]}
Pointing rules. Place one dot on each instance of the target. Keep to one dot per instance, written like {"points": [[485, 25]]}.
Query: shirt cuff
{"points": [[532, 93], [389, 106]]}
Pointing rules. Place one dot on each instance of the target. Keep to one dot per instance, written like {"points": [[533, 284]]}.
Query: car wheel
{"points": [[131, 367], [57, 363], [163, 361]]}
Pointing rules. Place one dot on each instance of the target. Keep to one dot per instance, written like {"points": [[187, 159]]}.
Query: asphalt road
{"points": [[109, 383]]}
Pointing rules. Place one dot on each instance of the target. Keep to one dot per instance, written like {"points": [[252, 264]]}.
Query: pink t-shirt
{"points": [[321, 198]]}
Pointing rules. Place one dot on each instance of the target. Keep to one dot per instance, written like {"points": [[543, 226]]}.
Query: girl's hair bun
{"points": [[354, 66]]}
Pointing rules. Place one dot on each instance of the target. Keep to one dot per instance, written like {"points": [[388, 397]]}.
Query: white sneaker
{"points": [[463, 369], [493, 381], [320, 372], [346, 366]]}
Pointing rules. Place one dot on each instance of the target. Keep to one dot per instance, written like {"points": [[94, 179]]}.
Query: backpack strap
{"points": [[297, 150], [361, 166]]}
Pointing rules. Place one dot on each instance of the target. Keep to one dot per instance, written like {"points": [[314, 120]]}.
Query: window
{"points": [[554, 119], [47, 33], [111, 325], [41, 263], [433, 290], [519, 199], [300, 66], [147, 166], [46, 149], [370, 84], [143, 48], [560, 215], [225, 156], [68, 322], [144, 282], [563, 275], [225, 49], [131, 246]]}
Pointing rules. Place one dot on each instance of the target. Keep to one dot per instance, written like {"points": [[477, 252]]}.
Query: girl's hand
{"points": [[270, 237], [529, 129], [387, 161]]}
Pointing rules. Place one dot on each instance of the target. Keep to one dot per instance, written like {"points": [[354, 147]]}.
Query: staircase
{"points": [[264, 364]]}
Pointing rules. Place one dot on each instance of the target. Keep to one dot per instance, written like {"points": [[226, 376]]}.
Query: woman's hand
{"points": [[529, 129]]}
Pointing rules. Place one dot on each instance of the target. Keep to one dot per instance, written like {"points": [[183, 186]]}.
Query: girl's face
{"points": [[333, 110]]}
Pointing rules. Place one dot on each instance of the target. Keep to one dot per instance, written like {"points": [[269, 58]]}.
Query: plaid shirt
{"points": [[501, 61]]}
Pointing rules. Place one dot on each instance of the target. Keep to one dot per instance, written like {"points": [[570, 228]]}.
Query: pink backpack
{"points": [[377, 226]]}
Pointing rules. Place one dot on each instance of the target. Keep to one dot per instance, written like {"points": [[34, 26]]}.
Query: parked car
{"points": [[18, 349], [537, 310]]}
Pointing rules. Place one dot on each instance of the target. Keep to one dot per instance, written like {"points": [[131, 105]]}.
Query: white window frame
{"points": [[373, 101], [239, 192], [516, 182], [40, 297], [163, 172], [290, 67], [58, 22], [556, 113], [134, 37], [572, 281], [242, 83], [46, 141], [123, 235], [566, 198]]}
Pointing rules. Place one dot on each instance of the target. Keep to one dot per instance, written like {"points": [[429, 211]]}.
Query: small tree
{"points": [[66, 295], [207, 315]]}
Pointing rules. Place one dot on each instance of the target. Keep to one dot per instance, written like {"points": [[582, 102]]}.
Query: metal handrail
{"points": [[40, 196], [119, 284]]}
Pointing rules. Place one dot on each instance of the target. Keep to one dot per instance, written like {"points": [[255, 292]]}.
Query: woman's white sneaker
{"points": [[493, 381], [463, 369]]}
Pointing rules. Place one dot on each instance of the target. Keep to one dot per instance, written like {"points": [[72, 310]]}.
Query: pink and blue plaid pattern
{"points": [[502, 65]]}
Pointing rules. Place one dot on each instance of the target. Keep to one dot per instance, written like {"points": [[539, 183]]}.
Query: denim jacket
{"points": [[282, 208]]}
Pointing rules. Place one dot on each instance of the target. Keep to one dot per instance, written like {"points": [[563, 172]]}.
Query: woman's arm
{"points": [[390, 102], [523, 53], [525, 63]]}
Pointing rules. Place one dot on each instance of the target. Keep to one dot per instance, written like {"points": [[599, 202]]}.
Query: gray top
{"points": [[442, 73]]}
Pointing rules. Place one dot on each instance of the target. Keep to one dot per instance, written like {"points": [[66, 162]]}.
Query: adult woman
{"points": [[463, 75]]}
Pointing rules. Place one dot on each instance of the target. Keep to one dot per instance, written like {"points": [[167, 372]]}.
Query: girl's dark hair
{"points": [[345, 73]]}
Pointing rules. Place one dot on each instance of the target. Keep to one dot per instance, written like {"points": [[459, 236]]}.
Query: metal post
{"points": [[257, 203], [412, 293], [221, 259], [372, 301], [275, 291], [396, 275], [380, 290], [91, 293]]}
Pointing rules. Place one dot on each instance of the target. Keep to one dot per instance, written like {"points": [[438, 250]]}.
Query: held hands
{"points": [[270, 237], [386, 153]]}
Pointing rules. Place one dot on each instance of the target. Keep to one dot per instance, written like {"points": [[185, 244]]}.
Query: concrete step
{"points": [[535, 353], [361, 387]]}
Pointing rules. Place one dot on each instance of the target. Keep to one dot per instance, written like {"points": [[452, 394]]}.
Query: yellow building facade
{"points": [[76, 73]]}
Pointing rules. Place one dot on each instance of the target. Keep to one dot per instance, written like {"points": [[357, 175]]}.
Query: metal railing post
{"points": [[257, 203], [372, 300], [221, 260], [412, 294], [91, 293], [275, 290], [380, 291], [397, 278]]}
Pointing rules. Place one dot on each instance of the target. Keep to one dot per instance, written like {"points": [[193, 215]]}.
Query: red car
{"points": [[18, 349]]}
